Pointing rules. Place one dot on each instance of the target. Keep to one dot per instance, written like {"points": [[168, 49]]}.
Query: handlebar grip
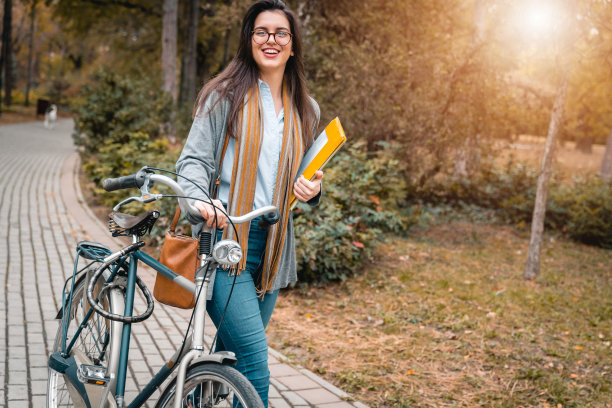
{"points": [[119, 183], [132, 181], [269, 219], [272, 218]]}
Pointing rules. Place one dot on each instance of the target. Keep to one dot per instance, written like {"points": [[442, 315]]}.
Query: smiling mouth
{"points": [[271, 51]]}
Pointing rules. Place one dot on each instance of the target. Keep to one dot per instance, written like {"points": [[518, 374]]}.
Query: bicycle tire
{"points": [[204, 388], [89, 347]]}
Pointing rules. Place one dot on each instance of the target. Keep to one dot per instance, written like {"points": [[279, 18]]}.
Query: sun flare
{"points": [[537, 19]]}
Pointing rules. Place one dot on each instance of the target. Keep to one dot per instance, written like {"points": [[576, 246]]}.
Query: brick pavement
{"points": [[42, 217]]}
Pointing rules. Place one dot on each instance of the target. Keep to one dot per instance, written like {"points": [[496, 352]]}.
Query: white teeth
{"points": [[271, 51]]}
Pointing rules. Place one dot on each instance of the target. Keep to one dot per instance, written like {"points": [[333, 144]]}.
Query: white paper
{"points": [[316, 147]]}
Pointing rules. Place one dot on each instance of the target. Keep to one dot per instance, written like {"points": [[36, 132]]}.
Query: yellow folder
{"points": [[323, 149]]}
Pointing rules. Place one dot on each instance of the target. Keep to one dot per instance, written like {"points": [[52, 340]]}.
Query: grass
{"points": [[445, 319]]}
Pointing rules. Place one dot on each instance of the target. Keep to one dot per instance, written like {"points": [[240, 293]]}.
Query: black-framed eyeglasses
{"points": [[262, 37]]}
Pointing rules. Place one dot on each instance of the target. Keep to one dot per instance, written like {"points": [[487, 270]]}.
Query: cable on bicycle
{"points": [[116, 317], [191, 317], [212, 344], [208, 197], [213, 239]]}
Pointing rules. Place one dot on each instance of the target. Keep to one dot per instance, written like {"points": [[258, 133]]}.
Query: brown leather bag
{"points": [[179, 253]]}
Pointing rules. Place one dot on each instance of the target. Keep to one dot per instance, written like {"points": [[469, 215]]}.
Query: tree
{"points": [[189, 66], [563, 46], [169, 47], [606, 163], [30, 52], [7, 50], [532, 267]]}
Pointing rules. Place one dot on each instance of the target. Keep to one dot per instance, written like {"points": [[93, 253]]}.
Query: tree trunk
{"points": [[169, 45], [7, 50], [226, 44], [30, 53], [606, 163], [189, 65], [532, 268]]}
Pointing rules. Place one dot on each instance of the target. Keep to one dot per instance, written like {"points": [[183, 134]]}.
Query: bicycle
{"points": [[88, 364]]}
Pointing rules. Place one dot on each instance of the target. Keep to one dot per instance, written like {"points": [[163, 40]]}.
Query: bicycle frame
{"points": [[192, 349], [189, 351], [189, 354]]}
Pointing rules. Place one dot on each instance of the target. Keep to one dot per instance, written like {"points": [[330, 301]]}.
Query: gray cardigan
{"points": [[200, 162]]}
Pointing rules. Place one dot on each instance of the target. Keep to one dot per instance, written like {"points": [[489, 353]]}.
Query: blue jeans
{"points": [[243, 327]]}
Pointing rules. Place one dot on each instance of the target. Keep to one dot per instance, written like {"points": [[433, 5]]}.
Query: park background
{"points": [[431, 274]]}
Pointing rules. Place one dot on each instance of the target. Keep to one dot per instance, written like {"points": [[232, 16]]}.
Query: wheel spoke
{"points": [[90, 343]]}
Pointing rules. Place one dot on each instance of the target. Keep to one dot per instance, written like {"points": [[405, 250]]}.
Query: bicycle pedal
{"points": [[92, 374]]}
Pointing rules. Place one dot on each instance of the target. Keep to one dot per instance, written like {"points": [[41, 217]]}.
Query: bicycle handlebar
{"points": [[119, 183], [137, 180]]}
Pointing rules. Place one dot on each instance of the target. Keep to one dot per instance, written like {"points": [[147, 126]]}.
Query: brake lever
{"points": [[148, 198], [144, 190]]}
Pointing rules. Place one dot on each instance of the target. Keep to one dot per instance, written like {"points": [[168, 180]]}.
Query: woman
{"points": [[261, 102]]}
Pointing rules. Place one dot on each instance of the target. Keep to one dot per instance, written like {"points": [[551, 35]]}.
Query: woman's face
{"points": [[271, 56]]}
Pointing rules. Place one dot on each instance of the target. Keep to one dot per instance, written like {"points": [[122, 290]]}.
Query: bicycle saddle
{"points": [[126, 224]]}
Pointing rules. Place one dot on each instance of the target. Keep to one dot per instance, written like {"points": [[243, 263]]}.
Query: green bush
{"points": [[587, 211], [115, 107], [118, 122], [581, 208], [362, 194], [510, 191]]}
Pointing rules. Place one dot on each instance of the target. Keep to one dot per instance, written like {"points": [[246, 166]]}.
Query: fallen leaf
{"points": [[358, 244], [374, 199]]}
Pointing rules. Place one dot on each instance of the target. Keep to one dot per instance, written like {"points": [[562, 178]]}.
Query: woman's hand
{"points": [[208, 212], [304, 189]]}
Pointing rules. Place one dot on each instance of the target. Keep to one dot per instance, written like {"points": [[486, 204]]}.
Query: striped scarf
{"points": [[244, 177]]}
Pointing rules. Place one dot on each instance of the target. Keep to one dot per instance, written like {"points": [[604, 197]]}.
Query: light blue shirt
{"points": [[267, 166]]}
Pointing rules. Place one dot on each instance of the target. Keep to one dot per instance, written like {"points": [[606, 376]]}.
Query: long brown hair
{"points": [[242, 73]]}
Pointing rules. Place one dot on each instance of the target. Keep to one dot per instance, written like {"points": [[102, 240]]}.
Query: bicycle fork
{"points": [[202, 280]]}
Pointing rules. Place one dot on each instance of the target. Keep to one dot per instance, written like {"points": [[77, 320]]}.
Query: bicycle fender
{"points": [[220, 357]]}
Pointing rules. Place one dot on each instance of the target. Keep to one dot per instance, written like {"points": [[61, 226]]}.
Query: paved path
{"points": [[42, 217]]}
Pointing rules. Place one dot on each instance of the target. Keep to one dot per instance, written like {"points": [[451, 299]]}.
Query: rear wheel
{"points": [[213, 385], [93, 346]]}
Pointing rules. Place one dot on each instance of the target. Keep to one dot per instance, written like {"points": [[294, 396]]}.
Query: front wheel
{"points": [[95, 342], [213, 385]]}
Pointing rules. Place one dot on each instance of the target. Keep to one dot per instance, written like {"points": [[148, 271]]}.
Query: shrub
{"points": [[118, 123], [581, 208], [116, 107], [587, 211], [362, 194]]}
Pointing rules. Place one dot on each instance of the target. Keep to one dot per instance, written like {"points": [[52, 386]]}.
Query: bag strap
{"points": [[177, 214], [218, 180]]}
